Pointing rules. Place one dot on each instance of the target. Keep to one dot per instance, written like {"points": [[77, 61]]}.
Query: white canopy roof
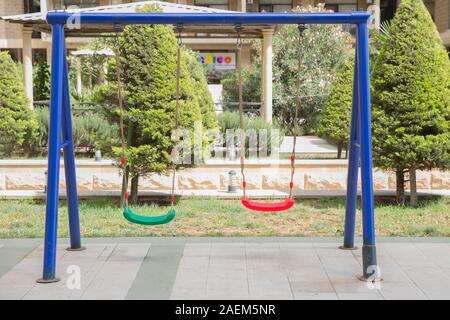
{"points": [[38, 20], [118, 8], [90, 52]]}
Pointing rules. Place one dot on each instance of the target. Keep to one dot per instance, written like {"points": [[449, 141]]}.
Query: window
{"points": [[39, 54], [265, 8], [275, 5], [82, 3], [16, 54], [332, 7], [387, 9], [214, 4], [31, 6], [341, 5]]}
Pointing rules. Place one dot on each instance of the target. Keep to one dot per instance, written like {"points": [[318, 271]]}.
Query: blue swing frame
{"points": [[60, 136]]}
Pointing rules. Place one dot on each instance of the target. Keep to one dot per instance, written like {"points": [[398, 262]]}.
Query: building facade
{"points": [[26, 45], [11, 35]]}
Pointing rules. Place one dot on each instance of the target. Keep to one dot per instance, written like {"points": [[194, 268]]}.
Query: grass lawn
{"points": [[211, 217]]}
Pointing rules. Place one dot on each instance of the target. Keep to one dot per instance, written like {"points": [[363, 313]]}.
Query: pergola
{"points": [[106, 52], [192, 34]]}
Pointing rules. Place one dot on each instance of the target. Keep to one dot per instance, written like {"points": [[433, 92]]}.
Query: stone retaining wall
{"points": [[29, 175]]}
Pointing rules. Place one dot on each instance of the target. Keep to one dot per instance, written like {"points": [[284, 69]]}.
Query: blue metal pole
{"points": [[56, 100], [367, 198], [69, 163], [62, 17], [353, 164]]}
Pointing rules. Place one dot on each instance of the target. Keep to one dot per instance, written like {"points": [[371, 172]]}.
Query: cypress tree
{"points": [[411, 97], [148, 56], [334, 122], [17, 122]]}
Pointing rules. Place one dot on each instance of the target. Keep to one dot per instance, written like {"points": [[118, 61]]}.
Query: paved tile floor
{"points": [[226, 268]]}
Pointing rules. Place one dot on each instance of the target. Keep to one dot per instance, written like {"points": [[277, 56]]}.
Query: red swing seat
{"points": [[288, 202], [268, 207]]}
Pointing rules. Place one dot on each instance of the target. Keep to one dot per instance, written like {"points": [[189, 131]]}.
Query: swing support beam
{"points": [[60, 133]]}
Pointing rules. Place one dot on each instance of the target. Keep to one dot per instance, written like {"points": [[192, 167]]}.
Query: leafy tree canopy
{"points": [[324, 51]]}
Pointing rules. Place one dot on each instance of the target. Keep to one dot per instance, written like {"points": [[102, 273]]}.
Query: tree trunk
{"points": [[413, 187], [339, 150], [134, 190], [400, 181]]}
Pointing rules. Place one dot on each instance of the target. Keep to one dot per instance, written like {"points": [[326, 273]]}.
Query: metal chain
{"points": [[123, 161], [238, 29], [177, 109], [301, 29]]}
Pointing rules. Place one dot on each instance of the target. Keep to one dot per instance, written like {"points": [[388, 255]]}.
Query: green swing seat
{"points": [[148, 220], [127, 212]]}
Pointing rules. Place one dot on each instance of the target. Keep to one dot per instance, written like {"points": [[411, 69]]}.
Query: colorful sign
{"points": [[218, 60]]}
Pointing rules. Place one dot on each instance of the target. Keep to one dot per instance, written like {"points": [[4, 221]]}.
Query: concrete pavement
{"points": [[226, 268]]}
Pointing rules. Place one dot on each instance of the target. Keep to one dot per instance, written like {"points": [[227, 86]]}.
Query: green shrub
{"points": [[334, 122], [91, 131], [95, 132], [251, 82], [38, 145], [230, 121], [197, 72], [205, 101], [41, 80], [17, 122]]}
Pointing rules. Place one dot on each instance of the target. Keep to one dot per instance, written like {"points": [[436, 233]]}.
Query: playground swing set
{"points": [[61, 126], [252, 205]]}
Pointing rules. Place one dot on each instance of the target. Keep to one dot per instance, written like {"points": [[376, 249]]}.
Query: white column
{"points": [[27, 59], [44, 7], [79, 83], [266, 111], [378, 12], [375, 11], [242, 5], [49, 55]]}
